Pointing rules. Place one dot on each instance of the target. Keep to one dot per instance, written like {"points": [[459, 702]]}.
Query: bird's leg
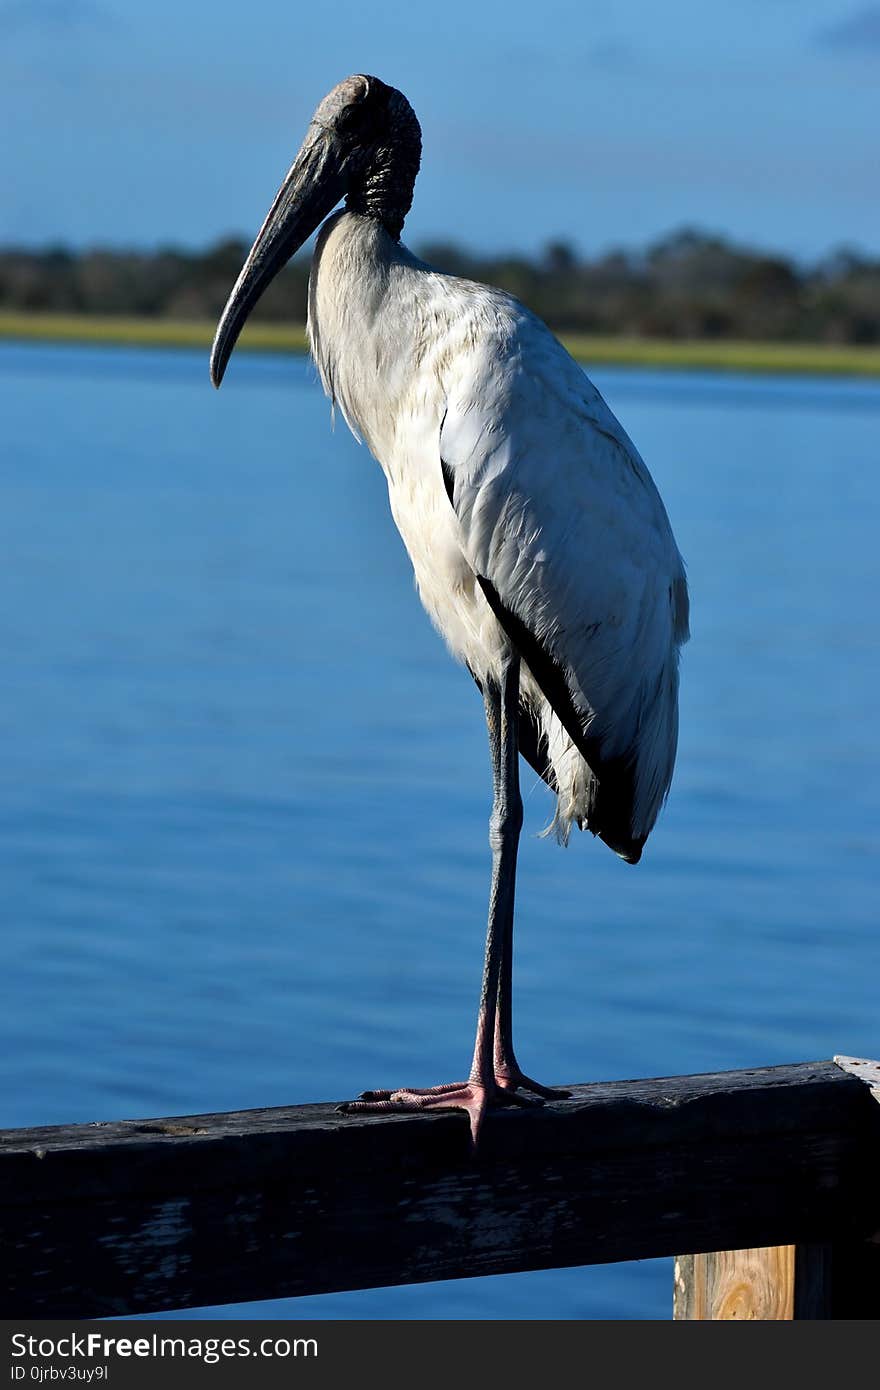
{"points": [[505, 824], [507, 818], [483, 1088]]}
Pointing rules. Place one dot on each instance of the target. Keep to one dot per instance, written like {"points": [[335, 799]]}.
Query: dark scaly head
{"points": [[363, 144]]}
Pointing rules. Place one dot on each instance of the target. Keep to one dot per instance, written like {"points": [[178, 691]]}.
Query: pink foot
{"points": [[471, 1096]]}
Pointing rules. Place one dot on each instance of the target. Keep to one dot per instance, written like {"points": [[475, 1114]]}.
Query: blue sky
{"points": [[600, 123]]}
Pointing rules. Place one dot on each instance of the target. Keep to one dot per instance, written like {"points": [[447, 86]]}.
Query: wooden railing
{"points": [[779, 1165]]}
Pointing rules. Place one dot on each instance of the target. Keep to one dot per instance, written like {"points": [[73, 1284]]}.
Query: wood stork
{"points": [[541, 548]]}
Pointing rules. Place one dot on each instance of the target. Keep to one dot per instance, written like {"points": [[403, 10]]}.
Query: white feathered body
{"points": [[526, 511]]}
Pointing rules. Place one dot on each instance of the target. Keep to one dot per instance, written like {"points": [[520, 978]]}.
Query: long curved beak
{"points": [[315, 184]]}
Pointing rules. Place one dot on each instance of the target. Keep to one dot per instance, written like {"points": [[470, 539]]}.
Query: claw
{"points": [[473, 1097]]}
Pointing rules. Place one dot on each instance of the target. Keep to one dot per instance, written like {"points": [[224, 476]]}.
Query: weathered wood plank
{"points": [[140, 1216]]}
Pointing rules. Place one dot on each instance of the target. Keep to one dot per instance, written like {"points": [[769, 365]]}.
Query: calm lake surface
{"points": [[244, 790]]}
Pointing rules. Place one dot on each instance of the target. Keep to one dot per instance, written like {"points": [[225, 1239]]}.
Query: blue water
{"points": [[244, 790]]}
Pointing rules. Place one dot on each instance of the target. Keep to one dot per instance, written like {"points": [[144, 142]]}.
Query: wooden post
{"points": [[780, 1283], [741, 1285], [784, 1283]]}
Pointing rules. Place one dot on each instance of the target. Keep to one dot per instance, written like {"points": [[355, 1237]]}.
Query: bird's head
{"points": [[363, 144]]}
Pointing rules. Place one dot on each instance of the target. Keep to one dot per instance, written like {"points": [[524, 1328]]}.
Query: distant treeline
{"points": [[689, 285]]}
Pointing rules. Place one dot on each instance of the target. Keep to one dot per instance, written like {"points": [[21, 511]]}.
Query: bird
{"points": [[540, 545]]}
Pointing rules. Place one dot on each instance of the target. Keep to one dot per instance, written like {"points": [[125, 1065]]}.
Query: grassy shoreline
{"points": [[820, 359]]}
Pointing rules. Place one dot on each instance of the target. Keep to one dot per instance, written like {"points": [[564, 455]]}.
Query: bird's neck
{"points": [[385, 189], [364, 325]]}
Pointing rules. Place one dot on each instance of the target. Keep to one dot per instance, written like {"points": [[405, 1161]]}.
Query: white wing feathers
{"points": [[562, 518], [552, 509]]}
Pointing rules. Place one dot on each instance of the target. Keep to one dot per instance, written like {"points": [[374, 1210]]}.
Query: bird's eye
{"points": [[354, 93]]}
